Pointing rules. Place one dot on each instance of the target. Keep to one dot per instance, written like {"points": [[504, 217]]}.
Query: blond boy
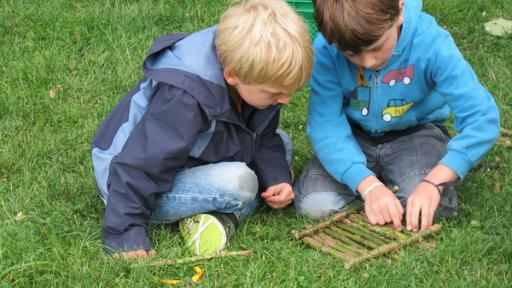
{"points": [[196, 139]]}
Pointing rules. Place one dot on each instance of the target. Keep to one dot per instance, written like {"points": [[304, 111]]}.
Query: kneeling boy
{"points": [[198, 135]]}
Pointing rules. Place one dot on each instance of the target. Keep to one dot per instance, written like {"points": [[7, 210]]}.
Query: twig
{"points": [[344, 243], [353, 240], [385, 231], [347, 250], [506, 132], [364, 236], [375, 237], [394, 246], [195, 258], [314, 243], [337, 217], [504, 141]]}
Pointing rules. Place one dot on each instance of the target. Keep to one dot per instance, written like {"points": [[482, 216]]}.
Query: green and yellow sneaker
{"points": [[204, 234]]}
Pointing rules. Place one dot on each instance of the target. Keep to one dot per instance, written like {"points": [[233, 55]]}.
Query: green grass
{"points": [[93, 50]]}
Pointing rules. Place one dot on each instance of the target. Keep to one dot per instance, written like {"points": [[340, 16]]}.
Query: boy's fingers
{"points": [[138, 254], [415, 217], [386, 215], [283, 204], [425, 214], [397, 217], [130, 254], [271, 200], [279, 199], [408, 215], [284, 196], [379, 218], [401, 210], [278, 205], [269, 193], [369, 216], [275, 191], [371, 219], [427, 219]]}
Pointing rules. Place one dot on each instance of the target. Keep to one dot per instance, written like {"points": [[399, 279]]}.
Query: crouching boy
{"points": [[196, 139]]}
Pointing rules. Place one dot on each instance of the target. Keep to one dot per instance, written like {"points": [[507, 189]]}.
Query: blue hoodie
{"points": [[424, 80]]}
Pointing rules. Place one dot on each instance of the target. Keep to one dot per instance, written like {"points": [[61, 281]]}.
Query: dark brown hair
{"points": [[353, 25]]}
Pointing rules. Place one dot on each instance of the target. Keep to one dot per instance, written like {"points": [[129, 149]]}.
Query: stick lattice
{"points": [[347, 235]]}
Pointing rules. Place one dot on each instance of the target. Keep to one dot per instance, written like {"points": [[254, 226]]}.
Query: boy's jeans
{"points": [[225, 187], [403, 160]]}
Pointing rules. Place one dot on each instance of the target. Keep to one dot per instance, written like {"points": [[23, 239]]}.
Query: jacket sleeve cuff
{"points": [[457, 162], [134, 239], [354, 175]]}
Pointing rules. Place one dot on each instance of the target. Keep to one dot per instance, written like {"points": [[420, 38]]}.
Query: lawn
{"points": [[64, 64]]}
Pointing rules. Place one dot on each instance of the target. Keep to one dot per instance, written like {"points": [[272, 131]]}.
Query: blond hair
{"points": [[265, 42]]}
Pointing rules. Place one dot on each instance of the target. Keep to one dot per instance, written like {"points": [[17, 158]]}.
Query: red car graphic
{"points": [[404, 75]]}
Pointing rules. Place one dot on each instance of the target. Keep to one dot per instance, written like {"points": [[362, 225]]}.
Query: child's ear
{"points": [[401, 17], [231, 77]]}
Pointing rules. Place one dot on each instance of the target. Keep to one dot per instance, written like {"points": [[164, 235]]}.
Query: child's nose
{"points": [[368, 62]]}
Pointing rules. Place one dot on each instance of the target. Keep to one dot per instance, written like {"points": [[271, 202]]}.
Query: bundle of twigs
{"points": [[347, 235], [504, 139]]}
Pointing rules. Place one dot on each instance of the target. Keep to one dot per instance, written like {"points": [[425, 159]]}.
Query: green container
{"points": [[306, 9]]}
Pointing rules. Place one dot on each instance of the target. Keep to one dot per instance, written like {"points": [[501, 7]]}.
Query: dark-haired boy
{"points": [[385, 79]]}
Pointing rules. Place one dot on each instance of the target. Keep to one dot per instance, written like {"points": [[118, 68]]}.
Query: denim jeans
{"points": [[402, 160], [225, 187]]}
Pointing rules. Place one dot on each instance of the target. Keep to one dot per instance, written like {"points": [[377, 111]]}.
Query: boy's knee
{"points": [[240, 180], [320, 205]]}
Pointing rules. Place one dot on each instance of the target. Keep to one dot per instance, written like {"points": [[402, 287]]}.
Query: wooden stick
{"points": [[370, 235], [336, 217], [367, 245], [436, 228], [386, 231], [364, 236], [506, 132], [362, 221], [317, 245], [343, 245], [195, 258], [343, 240], [348, 251], [345, 237], [504, 142]]}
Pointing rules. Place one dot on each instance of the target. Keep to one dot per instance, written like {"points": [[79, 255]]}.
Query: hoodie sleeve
{"points": [[476, 116], [328, 127], [147, 165], [270, 159]]}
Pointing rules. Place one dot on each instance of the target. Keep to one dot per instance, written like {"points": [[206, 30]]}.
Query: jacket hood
{"points": [[411, 14], [190, 63]]}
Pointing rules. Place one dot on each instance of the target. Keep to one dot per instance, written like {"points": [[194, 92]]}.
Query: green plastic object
{"points": [[306, 9]]}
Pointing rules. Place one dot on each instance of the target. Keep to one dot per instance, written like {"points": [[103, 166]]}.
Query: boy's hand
{"points": [[382, 206], [141, 254], [424, 200], [278, 196]]}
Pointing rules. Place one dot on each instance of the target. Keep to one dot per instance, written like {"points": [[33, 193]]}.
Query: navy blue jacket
{"points": [[178, 116]]}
